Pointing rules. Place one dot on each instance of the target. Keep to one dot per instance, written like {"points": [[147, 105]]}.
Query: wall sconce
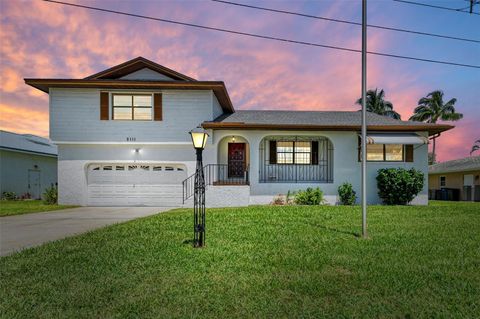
{"points": [[137, 150], [233, 139]]}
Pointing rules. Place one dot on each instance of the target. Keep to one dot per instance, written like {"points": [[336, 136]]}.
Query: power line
{"points": [[346, 21], [263, 36], [435, 6]]}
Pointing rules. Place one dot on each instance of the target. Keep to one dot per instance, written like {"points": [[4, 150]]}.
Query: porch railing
{"points": [[215, 174]]}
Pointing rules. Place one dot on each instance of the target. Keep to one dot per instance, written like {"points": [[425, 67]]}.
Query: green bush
{"points": [[9, 196], [310, 196], [347, 194], [50, 196], [398, 186]]}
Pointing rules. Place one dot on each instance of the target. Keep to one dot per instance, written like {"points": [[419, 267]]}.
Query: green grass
{"points": [[18, 207], [259, 262]]}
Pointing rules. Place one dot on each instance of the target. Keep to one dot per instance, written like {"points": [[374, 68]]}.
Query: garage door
{"points": [[135, 184]]}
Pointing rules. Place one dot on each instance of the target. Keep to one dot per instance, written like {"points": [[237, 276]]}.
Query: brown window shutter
{"points": [[104, 106], [157, 107], [359, 149], [273, 152], [408, 153], [314, 152]]}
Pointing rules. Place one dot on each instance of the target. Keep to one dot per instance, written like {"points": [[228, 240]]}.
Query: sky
{"points": [[47, 40]]}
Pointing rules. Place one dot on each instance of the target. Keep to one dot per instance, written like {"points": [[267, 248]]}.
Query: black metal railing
{"points": [[314, 164], [216, 174]]}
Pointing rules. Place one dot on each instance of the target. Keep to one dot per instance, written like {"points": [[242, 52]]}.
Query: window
{"points": [[443, 181], [132, 107], [107, 167], [296, 159], [385, 152], [293, 152], [120, 168]]}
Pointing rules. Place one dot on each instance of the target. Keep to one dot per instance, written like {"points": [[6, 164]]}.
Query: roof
{"points": [[471, 163], [136, 64], [27, 143], [318, 120], [112, 79]]}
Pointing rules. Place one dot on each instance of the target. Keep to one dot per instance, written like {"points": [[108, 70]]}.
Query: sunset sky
{"points": [[47, 40]]}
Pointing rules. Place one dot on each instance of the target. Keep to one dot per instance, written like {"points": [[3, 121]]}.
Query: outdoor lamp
{"points": [[199, 137], [199, 140]]}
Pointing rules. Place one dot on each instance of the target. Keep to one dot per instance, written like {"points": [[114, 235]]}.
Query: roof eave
{"points": [[431, 129], [218, 87]]}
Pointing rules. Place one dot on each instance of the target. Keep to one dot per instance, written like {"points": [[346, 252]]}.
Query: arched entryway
{"points": [[233, 160]]}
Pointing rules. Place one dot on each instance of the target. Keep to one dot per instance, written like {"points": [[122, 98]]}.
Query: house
{"points": [[122, 137], [28, 164], [455, 180]]}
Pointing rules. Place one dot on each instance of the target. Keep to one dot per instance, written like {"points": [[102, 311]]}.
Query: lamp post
{"points": [[199, 140]]}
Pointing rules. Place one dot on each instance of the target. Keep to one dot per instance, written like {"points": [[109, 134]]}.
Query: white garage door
{"points": [[135, 184]]}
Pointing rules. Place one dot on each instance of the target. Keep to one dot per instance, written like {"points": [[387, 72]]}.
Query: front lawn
{"points": [[259, 262], [18, 207]]}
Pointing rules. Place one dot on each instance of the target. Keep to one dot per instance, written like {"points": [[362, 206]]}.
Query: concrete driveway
{"points": [[22, 231]]}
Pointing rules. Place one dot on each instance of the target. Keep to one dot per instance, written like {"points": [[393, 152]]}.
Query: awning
{"points": [[396, 138]]}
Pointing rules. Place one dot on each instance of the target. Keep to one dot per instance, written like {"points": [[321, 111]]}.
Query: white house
{"points": [[122, 137]]}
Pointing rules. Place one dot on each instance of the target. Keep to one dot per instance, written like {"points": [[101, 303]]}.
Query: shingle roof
{"points": [[27, 143], [317, 119], [471, 163]]}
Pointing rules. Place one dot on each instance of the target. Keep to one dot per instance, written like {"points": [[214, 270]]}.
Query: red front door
{"points": [[236, 159]]}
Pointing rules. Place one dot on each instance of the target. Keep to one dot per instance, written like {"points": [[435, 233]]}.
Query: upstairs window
{"points": [[133, 107]]}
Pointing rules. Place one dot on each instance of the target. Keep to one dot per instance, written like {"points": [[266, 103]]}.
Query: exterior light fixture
{"points": [[199, 140], [233, 139], [137, 150]]}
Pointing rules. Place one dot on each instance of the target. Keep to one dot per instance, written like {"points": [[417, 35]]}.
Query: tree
{"points": [[475, 147], [431, 108], [375, 103]]}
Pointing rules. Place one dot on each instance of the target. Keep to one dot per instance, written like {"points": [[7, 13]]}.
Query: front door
{"points": [[236, 159], [34, 183]]}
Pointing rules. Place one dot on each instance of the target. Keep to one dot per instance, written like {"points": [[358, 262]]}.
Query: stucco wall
{"points": [[14, 167]]}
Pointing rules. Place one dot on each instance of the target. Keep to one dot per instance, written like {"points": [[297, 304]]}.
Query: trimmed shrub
{"points": [[50, 196], [398, 186], [347, 194], [9, 196], [310, 196]]}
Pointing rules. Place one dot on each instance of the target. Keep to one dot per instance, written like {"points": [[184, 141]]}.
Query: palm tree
{"points": [[431, 108], [376, 104], [475, 147]]}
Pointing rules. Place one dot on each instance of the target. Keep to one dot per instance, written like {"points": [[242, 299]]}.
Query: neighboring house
{"points": [[455, 180], [28, 164], [123, 139]]}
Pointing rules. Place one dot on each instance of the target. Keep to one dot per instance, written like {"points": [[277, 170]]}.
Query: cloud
{"points": [[42, 39]]}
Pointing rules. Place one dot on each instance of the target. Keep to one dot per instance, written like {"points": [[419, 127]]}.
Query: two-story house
{"points": [[122, 137]]}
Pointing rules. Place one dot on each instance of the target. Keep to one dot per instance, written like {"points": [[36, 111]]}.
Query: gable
{"points": [[147, 74], [138, 64]]}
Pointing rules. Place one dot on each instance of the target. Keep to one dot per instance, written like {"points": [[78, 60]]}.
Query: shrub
{"points": [[347, 194], [278, 201], [398, 186], [26, 196], [9, 196], [310, 196], [50, 196]]}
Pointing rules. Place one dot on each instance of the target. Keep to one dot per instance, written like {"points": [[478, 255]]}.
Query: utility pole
{"points": [[364, 119]]}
